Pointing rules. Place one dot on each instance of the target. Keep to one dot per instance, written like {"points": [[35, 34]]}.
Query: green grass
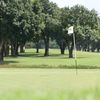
{"points": [[49, 84], [19, 83], [55, 60]]}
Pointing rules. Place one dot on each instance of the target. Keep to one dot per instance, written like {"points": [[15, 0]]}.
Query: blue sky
{"points": [[90, 4]]}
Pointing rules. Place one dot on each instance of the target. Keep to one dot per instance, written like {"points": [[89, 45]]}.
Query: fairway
{"points": [[49, 84], [37, 60], [31, 76], [49, 50]]}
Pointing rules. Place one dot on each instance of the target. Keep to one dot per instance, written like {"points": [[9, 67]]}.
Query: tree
{"points": [[66, 22], [38, 23], [50, 11], [3, 28], [87, 20], [21, 22]]}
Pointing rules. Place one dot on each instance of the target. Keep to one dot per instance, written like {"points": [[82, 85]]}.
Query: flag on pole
{"points": [[70, 30]]}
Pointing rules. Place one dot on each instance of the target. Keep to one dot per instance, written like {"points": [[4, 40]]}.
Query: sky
{"points": [[90, 4]]}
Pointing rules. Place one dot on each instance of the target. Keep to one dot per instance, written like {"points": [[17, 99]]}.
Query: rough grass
{"points": [[52, 95], [30, 59], [49, 84]]}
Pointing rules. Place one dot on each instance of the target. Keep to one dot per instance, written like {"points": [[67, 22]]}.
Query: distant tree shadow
{"points": [[38, 55], [8, 62], [31, 55]]}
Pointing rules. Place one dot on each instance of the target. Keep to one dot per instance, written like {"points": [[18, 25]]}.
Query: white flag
{"points": [[70, 30]]}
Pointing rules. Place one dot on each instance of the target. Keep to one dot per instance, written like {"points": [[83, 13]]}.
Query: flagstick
{"points": [[75, 52]]}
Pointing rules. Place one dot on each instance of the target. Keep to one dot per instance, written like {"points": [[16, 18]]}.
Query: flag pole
{"points": [[71, 31], [74, 40]]}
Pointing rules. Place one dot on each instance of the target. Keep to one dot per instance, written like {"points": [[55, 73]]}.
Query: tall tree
{"points": [[50, 11], [3, 27]]}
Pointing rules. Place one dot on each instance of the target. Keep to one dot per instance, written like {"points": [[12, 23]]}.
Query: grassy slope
{"points": [[31, 59], [49, 84]]}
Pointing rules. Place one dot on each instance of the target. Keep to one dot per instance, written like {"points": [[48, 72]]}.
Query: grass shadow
{"points": [[31, 55], [8, 62], [39, 55]]}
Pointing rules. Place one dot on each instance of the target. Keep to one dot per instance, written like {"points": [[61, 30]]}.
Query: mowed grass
{"points": [[49, 84], [55, 60]]}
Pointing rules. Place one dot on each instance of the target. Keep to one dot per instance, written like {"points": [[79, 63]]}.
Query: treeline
{"points": [[24, 21]]}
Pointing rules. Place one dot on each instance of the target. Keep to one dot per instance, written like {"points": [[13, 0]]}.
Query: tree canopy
{"points": [[36, 20]]}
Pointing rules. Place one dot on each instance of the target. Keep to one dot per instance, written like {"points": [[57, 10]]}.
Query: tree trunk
{"points": [[37, 47], [98, 49], [22, 50], [46, 41], [62, 51], [70, 53], [1, 52], [62, 47], [14, 49], [98, 46], [88, 48], [70, 49], [6, 49], [92, 49]]}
